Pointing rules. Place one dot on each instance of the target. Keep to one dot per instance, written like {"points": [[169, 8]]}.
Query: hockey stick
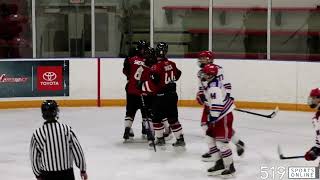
{"points": [[148, 122], [281, 156], [273, 114]]}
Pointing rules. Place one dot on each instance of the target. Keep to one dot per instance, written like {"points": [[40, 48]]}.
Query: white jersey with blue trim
{"points": [[215, 93], [220, 75], [316, 125]]}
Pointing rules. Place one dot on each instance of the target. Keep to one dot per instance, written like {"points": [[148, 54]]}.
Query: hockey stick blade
{"points": [[280, 152], [282, 157], [273, 114]]}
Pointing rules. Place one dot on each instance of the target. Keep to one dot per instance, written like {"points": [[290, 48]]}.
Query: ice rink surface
{"points": [[100, 132]]}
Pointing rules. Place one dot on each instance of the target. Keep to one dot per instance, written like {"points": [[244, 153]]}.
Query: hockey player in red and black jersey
{"points": [[219, 122], [164, 105], [314, 103], [204, 58], [134, 68]]}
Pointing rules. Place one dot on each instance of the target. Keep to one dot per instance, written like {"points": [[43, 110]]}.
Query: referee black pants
{"points": [[57, 175]]}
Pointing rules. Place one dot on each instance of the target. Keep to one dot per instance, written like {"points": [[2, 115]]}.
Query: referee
{"points": [[54, 147]]}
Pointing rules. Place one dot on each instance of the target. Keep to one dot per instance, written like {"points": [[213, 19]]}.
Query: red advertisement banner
{"points": [[50, 78]]}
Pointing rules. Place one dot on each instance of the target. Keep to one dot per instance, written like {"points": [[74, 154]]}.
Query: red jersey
{"points": [[164, 75], [136, 72]]}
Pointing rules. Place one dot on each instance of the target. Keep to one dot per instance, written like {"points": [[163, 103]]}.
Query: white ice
{"points": [[100, 132]]}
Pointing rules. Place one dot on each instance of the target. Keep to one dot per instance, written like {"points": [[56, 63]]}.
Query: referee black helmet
{"points": [[50, 110]]}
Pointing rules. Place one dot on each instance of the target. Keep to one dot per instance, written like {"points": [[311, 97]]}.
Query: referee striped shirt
{"points": [[54, 147]]}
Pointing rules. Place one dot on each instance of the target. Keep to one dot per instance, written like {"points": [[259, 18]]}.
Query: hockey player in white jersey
{"points": [[219, 121], [314, 102], [207, 57]]}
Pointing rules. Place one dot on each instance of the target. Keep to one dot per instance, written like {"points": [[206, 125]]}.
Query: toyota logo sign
{"points": [[49, 76]]}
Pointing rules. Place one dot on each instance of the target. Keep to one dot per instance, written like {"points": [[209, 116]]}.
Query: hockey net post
{"points": [[282, 157]]}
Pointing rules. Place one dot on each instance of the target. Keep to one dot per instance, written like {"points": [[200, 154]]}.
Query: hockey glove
{"points": [[312, 154], [201, 98], [317, 115]]}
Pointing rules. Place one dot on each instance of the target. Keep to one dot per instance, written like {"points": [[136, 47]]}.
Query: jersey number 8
{"points": [[138, 73]]}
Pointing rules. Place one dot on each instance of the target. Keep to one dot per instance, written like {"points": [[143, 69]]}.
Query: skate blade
{"points": [[215, 173], [208, 159], [229, 176]]}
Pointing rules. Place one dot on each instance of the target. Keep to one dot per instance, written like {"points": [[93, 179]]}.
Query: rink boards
{"points": [[257, 84]]}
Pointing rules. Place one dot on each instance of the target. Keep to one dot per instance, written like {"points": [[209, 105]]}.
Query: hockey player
{"points": [[219, 121], [133, 68], [207, 57], [161, 52], [164, 105], [314, 103]]}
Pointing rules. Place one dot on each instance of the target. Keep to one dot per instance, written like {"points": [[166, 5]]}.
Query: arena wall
{"points": [[256, 84]]}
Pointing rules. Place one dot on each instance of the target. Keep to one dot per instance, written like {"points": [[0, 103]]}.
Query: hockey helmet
{"points": [[161, 49], [314, 98], [50, 110], [205, 57], [210, 71], [141, 45], [150, 56]]}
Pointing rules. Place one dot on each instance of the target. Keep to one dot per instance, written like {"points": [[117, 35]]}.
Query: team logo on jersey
{"points": [[50, 78]]}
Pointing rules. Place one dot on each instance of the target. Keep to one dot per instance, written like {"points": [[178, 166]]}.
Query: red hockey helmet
{"points": [[205, 57], [315, 92], [314, 98], [210, 71]]}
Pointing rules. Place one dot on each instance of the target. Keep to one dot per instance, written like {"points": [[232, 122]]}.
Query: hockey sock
{"points": [[234, 139], [128, 121], [226, 153], [166, 125], [158, 129], [176, 129], [211, 144]]}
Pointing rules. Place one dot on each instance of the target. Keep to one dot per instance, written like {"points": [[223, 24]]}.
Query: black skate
{"points": [[217, 169], [144, 131], [179, 143], [206, 157], [228, 173], [240, 148], [159, 142], [128, 134], [150, 135]]}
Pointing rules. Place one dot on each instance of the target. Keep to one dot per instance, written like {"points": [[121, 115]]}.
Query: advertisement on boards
{"points": [[34, 78]]}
